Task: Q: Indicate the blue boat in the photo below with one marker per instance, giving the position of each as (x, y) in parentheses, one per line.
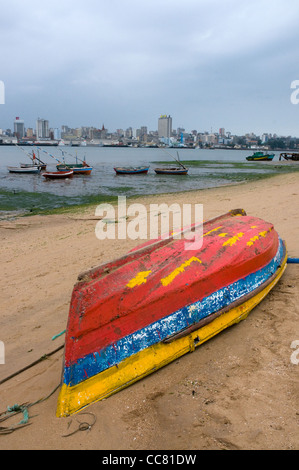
(131, 170)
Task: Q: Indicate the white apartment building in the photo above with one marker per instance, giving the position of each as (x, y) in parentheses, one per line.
(165, 126)
(42, 129)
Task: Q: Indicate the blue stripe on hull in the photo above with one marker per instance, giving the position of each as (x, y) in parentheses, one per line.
(156, 332)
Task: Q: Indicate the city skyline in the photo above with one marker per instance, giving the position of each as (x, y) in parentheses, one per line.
(164, 128)
(207, 63)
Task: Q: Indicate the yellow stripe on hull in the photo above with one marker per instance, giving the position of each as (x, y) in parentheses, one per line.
(73, 399)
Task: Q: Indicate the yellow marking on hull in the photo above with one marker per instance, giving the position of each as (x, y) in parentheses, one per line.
(139, 279)
(252, 240)
(213, 230)
(73, 399)
(232, 241)
(263, 234)
(257, 237)
(168, 280)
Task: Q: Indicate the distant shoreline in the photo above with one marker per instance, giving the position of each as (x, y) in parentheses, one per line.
(114, 146)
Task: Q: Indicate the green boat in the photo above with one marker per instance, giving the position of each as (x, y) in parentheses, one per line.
(79, 169)
(260, 156)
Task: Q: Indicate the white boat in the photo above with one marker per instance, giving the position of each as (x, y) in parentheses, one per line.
(42, 166)
(27, 170)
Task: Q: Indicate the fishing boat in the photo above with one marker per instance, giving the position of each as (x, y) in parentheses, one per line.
(35, 161)
(171, 171)
(27, 170)
(289, 156)
(77, 169)
(136, 314)
(260, 156)
(42, 166)
(58, 174)
(131, 170)
(179, 170)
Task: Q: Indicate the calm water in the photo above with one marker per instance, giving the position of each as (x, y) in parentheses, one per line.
(207, 168)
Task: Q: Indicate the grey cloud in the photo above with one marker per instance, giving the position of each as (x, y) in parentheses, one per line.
(208, 63)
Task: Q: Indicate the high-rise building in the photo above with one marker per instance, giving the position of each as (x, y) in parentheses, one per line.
(19, 128)
(42, 129)
(165, 126)
(57, 133)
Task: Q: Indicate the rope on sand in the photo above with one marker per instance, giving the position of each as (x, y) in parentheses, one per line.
(57, 336)
(16, 409)
(293, 260)
(45, 356)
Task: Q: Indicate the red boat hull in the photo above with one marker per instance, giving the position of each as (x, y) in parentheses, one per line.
(58, 174)
(124, 308)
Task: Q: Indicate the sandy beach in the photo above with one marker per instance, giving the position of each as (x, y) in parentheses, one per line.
(237, 391)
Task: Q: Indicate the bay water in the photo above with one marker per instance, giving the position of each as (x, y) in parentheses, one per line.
(25, 193)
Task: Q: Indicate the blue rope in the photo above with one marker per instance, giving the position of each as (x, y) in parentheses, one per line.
(20, 409)
(57, 336)
(293, 260)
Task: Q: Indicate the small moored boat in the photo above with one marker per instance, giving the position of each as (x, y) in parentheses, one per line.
(35, 161)
(24, 170)
(58, 174)
(42, 166)
(171, 171)
(131, 170)
(260, 156)
(134, 315)
(78, 168)
(178, 170)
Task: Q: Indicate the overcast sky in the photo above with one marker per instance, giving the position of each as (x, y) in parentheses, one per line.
(123, 63)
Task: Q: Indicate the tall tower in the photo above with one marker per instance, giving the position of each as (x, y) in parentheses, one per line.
(42, 129)
(165, 126)
(19, 128)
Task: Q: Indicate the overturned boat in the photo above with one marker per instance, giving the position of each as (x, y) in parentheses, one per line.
(138, 313)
